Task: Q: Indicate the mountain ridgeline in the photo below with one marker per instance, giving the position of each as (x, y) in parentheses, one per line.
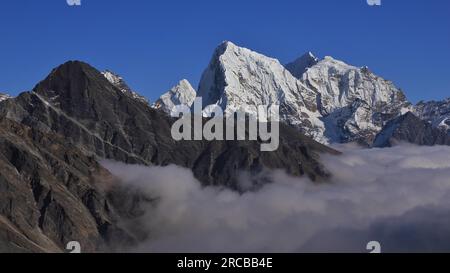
(326, 99)
(54, 190)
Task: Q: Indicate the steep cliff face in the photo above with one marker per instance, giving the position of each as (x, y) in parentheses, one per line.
(50, 194)
(435, 112)
(301, 64)
(408, 128)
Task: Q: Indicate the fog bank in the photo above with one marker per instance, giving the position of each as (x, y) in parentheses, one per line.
(398, 196)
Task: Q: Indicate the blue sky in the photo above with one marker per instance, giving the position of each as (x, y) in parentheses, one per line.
(153, 44)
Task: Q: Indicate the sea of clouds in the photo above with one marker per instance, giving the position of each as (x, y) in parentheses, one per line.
(397, 196)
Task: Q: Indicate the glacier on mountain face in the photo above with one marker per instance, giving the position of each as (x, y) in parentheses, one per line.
(327, 99)
(237, 76)
(181, 94)
(340, 84)
(368, 100)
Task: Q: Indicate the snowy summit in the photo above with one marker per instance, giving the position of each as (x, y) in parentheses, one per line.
(181, 94)
(4, 97)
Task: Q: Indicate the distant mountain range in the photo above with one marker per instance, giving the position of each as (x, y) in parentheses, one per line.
(54, 190)
(327, 99)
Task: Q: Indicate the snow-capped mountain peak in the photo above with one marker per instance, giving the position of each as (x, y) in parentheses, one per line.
(327, 99)
(120, 83)
(181, 94)
(237, 76)
(340, 85)
(114, 78)
(4, 97)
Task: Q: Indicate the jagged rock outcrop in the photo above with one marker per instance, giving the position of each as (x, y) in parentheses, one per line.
(435, 112)
(120, 83)
(409, 128)
(181, 94)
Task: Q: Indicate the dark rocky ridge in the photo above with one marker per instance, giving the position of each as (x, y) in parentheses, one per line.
(409, 128)
(53, 189)
(77, 102)
(300, 65)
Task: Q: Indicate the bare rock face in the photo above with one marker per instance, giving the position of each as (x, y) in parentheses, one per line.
(50, 194)
(437, 113)
(53, 189)
(120, 83)
(409, 128)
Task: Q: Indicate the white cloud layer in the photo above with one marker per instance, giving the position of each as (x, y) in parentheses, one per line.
(398, 196)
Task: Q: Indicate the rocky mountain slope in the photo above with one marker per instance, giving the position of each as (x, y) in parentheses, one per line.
(120, 83)
(53, 189)
(435, 112)
(51, 194)
(408, 128)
